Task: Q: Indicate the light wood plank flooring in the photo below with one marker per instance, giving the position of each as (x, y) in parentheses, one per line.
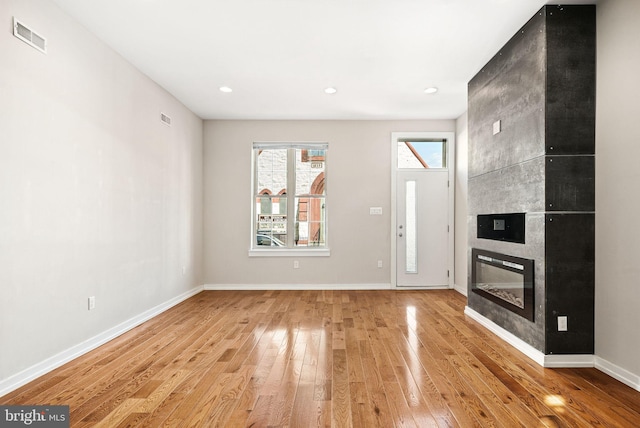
(324, 358)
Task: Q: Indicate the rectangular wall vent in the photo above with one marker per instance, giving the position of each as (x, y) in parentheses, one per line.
(29, 36)
(165, 119)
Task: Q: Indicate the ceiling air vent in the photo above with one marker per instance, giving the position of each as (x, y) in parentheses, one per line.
(165, 119)
(29, 36)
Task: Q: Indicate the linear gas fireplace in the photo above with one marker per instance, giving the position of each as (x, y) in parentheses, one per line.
(505, 280)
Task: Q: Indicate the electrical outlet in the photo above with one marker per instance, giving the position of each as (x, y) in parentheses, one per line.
(379, 263)
(296, 264)
(92, 302)
(562, 323)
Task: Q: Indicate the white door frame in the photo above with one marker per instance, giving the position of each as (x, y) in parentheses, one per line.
(451, 143)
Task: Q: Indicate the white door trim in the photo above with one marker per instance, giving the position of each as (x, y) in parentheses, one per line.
(451, 143)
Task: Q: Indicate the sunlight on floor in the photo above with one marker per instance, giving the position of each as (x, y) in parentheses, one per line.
(556, 402)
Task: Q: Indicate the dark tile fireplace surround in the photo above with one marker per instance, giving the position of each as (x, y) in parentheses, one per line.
(532, 180)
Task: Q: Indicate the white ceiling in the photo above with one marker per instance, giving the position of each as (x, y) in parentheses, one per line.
(278, 56)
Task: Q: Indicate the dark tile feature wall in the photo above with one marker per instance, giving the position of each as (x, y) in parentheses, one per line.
(569, 280)
(570, 183)
(571, 72)
(541, 87)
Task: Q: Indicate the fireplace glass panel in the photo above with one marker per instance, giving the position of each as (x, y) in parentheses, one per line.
(505, 280)
(504, 284)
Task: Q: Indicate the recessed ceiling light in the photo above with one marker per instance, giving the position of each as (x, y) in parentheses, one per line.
(431, 90)
(226, 89)
(330, 90)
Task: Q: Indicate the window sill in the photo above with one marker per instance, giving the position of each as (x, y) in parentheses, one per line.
(301, 252)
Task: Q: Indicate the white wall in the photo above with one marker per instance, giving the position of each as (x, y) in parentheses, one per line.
(97, 197)
(617, 182)
(358, 177)
(461, 217)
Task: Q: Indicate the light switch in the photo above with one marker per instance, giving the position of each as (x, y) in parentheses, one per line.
(375, 210)
(497, 127)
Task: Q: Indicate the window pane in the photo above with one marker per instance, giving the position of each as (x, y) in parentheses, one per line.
(289, 195)
(310, 222)
(269, 241)
(271, 227)
(422, 154)
(266, 204)
(310, 172)
(271, 171)
(411, 243)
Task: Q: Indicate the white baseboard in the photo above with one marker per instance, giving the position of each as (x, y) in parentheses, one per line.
(557, 361)
(19, 379)
(569, 361)
(240, 287)
(511, 339)
(616, 372)
(460, 289)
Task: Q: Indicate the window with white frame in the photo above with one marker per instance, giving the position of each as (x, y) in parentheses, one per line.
(289, 194)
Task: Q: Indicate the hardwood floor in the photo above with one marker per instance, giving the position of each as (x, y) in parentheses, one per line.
(324, 358)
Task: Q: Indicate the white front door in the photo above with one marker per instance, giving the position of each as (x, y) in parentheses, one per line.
(422, 202)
